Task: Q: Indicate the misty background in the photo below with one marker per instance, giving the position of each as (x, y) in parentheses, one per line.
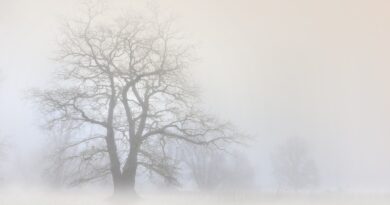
(317, 70)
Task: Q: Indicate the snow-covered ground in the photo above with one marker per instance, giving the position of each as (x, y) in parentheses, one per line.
(47, 197)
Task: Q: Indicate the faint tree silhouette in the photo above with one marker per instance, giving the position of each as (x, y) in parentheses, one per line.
(218, 170)
(292, 167)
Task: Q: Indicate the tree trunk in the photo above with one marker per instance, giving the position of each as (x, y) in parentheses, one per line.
(115, 165)
(114, 161)
(130, 170)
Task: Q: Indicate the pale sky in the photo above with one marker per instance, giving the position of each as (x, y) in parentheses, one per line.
(275, 68)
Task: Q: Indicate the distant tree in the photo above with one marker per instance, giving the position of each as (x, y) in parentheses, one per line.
(123, 91)
(2, 142)
(207, 167)
(239, 175)
(217, 170)
(68, 164)
(292, 166)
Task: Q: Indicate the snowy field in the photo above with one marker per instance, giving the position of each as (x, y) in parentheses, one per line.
(32, 197)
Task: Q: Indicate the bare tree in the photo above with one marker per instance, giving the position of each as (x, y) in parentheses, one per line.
(1, 75)
(207, 167)
(292, 166)
(124, 93)
(2, 141)
(68, 163)
(218, 170)
(239, 175)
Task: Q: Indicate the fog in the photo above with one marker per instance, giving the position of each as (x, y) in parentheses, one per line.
(279, 70)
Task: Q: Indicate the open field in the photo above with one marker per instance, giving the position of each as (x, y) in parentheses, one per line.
(31, 197)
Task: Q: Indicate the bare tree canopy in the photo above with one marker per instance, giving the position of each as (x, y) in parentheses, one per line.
(122, 95)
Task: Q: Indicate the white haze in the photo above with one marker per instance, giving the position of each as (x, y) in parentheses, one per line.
(276, 69)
